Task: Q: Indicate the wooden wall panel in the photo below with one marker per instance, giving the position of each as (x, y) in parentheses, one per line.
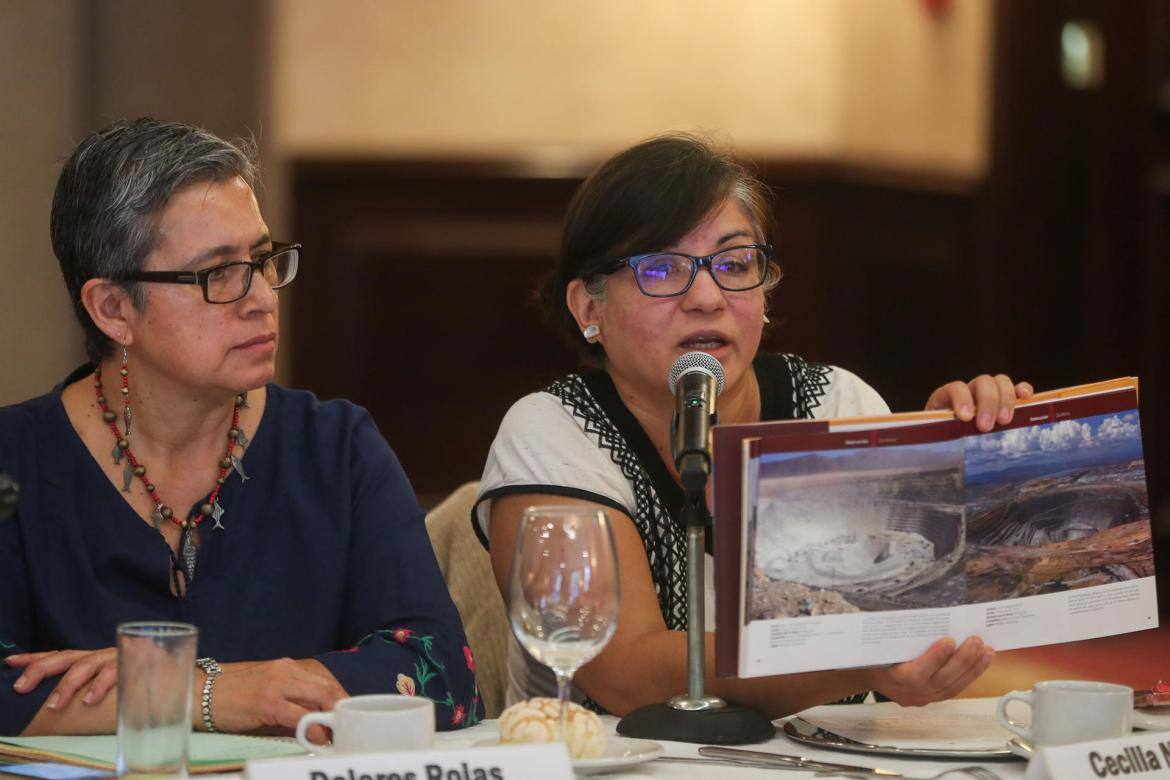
(1073, 218)
(415, 300)
(416, 297)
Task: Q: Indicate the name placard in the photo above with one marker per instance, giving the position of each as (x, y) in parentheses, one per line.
(503, 762)
(1139, 756)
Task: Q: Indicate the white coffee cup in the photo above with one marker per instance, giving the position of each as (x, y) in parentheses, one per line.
(1068, 711)
(373, 723)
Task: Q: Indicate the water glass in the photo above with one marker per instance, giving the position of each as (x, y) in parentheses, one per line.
(156, 663)
(564, 594)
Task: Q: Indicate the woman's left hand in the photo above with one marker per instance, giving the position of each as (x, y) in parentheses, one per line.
(98, 668)
(986, 399)
(940, 673)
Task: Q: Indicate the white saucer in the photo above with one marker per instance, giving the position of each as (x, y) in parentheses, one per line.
(1021, 748)
(619, 752)
(1152, 720)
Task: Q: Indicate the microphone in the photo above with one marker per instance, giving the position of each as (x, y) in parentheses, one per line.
(696, 379)
(9, 495)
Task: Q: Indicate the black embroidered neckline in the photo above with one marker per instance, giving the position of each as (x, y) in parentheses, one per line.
(601, 387)
(777, 402)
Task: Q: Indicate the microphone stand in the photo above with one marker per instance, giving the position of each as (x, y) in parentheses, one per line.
(694, 716)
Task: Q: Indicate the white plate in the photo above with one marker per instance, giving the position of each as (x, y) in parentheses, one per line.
(619, 752)
(1154, 720)
(1020, 748)
(810, 733)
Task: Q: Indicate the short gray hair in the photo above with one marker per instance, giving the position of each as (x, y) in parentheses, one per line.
(111, 191)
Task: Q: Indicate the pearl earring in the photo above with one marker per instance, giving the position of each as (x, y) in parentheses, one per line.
(766, 320)
(591, 332)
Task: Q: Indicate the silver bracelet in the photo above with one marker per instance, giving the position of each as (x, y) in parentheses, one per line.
(211, 668)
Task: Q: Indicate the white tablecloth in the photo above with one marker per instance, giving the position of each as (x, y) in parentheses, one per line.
(942, 712)
(917, 720)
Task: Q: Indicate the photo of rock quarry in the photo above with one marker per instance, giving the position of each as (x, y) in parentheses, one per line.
(1013, 513)
(1056, 507)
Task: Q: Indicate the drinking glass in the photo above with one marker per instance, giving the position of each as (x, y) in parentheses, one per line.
(156, 664)
(563, 594)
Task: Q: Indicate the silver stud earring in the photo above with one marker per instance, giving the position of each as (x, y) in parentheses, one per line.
(591, 332)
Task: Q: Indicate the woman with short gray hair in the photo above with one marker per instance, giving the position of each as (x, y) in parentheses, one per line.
(169, 479)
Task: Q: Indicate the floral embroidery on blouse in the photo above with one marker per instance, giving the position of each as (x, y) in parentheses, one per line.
(426, 668)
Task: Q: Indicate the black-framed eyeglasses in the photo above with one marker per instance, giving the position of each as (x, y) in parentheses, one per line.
(230, 282)
(666, 274)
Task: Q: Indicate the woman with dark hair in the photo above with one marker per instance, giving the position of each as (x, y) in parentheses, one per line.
(170, 479)
(665, 251)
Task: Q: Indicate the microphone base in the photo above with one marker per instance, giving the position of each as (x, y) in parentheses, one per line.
(720, 726)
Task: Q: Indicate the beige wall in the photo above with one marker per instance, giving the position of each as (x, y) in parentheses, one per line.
(69, 66)
(881, 82)
(916, 87)
(877, 82)
(39, 341)
(470, 76)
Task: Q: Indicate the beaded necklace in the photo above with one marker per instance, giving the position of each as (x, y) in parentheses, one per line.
(132, 468)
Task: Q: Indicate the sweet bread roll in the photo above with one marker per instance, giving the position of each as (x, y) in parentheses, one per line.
(535, 720)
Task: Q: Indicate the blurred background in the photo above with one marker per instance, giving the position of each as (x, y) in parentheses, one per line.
(962, 185)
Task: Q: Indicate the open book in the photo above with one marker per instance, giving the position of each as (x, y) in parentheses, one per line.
(854, 542)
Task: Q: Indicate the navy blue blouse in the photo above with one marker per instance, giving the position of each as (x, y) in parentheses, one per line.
(323, 554)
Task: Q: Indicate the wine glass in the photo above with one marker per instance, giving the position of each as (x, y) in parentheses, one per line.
(563, 594)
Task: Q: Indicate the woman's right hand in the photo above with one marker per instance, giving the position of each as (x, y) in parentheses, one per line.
(940, 673)
(260, 697)
(269, 697)
(78, 668)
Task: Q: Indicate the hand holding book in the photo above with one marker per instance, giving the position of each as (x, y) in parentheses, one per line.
(986, 399)
(940, 673)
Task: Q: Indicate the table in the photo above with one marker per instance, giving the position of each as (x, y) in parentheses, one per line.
(662, 768)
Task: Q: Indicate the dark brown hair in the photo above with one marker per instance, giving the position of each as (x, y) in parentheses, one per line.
(644, 199)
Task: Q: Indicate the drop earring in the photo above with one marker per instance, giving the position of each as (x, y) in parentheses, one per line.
(591, 332)
(125, 390)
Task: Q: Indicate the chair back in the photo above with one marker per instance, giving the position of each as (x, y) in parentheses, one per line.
(467, 568)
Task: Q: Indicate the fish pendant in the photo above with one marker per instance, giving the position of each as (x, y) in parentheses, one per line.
(157, 517)
(242, 440)
(216, 513)
(239, 467)
(127, 476)
(126, 417)
(190, 551)
(117, 453)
